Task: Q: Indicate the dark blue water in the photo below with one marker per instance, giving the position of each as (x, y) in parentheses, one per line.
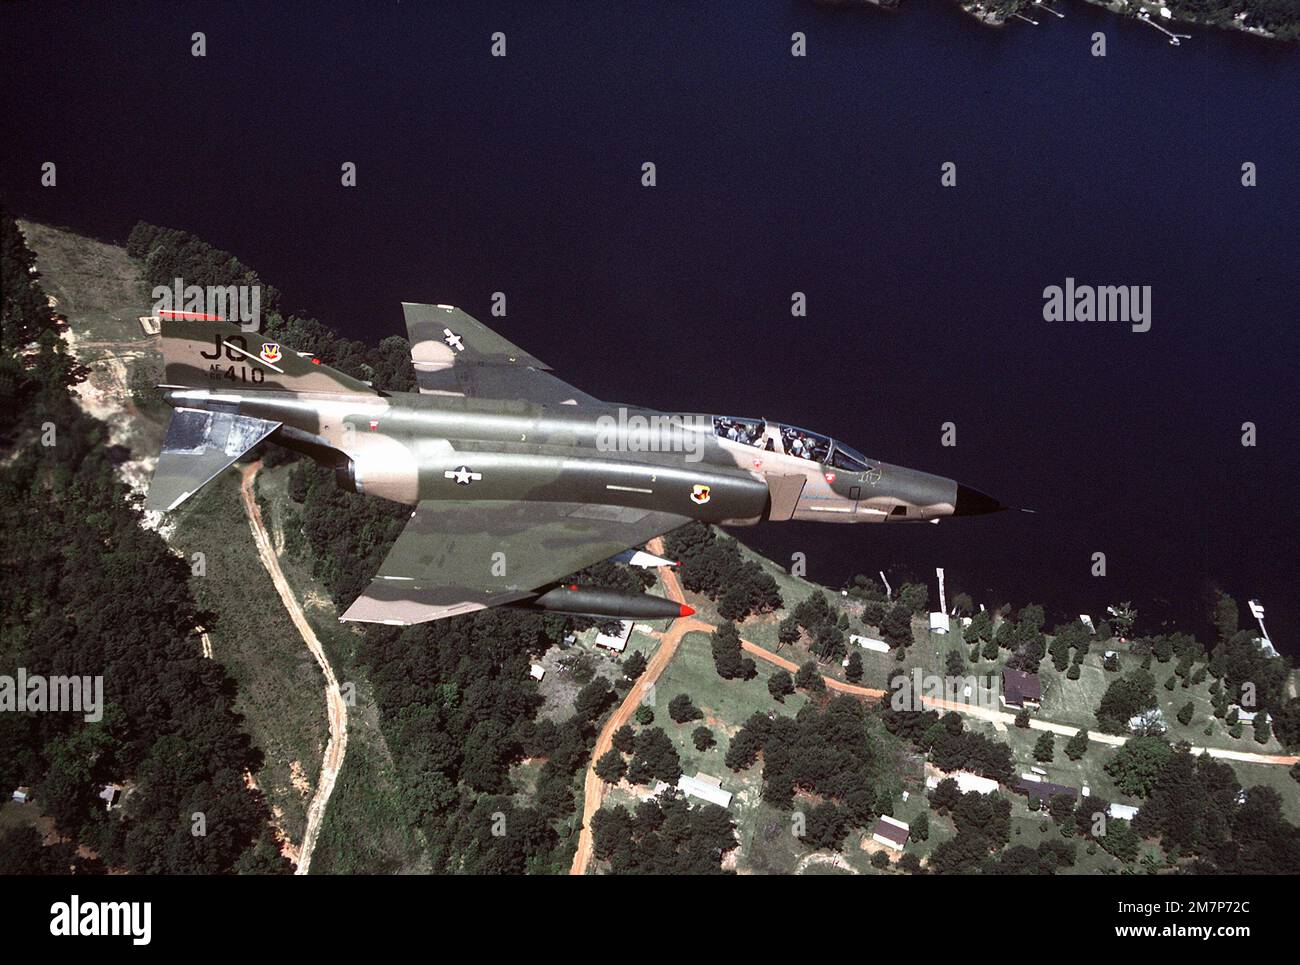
(775, 175)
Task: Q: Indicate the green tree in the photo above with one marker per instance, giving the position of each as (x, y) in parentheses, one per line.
(634, 666)
(682, 710)
(624, 739)
(779, 685)
(702, 738)
(1136, 766)
(1263, 731)
(1044, 747)
(854, 670)
(1185, 714)
(920, 828)
(1226, 616)
(727, 655)
(898, 626)
(1077, 745)
(593, 699)
(914, 596)
(645, 715)
(809, 679)
(611, 767)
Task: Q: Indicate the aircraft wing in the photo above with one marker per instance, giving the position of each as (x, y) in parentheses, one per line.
(198, 445)
(458, 556)
(455, 354)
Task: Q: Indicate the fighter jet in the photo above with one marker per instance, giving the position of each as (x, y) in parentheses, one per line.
(516, 478)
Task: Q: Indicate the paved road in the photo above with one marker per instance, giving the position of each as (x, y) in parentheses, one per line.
(336, 707)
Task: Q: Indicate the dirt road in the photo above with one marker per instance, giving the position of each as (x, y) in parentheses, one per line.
(594, 787)
(996, 716)
(336, 707)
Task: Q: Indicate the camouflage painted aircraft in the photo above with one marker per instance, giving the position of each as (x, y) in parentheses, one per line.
(517, 479)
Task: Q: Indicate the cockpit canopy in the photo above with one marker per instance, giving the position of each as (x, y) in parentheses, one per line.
(790, 440)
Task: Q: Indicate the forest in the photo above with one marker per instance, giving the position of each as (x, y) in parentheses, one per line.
(88, 591)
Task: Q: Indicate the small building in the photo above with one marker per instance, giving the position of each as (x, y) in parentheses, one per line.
(151, 324)
(616, 641)
(1247, 716)
(1123, 812)
(22, 795)
(939, 622)
(1030, 785)
(537, 671)
(890, 832)
(1086, 620)
(108, 793)
(966, 781)
(1020, 689)
(706, 788)
(869, 643)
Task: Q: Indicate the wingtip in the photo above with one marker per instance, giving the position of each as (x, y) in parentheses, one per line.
(686, 611)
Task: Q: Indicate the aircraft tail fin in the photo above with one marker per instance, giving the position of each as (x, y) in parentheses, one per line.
(198, 445)
(204, 353)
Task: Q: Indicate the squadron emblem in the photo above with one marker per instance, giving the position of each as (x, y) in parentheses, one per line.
(699, 494)
(270, 352)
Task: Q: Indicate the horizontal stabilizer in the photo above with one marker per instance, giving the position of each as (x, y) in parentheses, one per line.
(456, 354)
(199, 445)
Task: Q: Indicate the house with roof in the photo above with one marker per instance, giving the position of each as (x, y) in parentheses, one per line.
(616, 641)
(706, 787)
(869, 643)
(966, 781)
(1031, 785)
(890, 832)
(1020, 689)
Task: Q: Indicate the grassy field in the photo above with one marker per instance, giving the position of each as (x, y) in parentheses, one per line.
(1075, 701)
(281, 690)
(363, 830)
(96, 285)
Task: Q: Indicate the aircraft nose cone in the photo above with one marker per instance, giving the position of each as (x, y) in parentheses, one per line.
(972, 502)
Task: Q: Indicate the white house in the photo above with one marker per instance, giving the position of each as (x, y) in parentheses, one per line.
(616, 641)
(966, 781)
(869, 643)
(537, 671)
(706, 788)
(939, 622)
